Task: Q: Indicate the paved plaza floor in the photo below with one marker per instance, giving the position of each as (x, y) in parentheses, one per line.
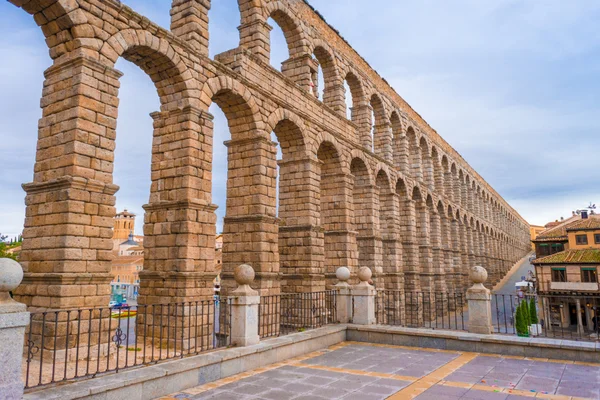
(359, 371)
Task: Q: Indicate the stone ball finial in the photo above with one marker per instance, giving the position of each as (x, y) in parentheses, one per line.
(11, 274)
(478, 274)
(364, 274)
(244, 274)
(342, 274)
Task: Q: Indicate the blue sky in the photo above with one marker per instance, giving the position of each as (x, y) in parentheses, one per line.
(514, 86)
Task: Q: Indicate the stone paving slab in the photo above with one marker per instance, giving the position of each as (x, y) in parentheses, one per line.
(371, 371)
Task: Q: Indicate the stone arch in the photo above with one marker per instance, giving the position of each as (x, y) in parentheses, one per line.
(400, 152)
(414, 152)
(383, 181)
(401, 189)
(358, 168)
(333, 92)
(289, 24)
(438, 171)
(290, 131)
(56, 18)
(359, 100)
(381, 134)
(238, 105)
(174, 81)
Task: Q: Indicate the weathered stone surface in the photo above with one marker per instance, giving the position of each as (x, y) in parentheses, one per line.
(386, 193)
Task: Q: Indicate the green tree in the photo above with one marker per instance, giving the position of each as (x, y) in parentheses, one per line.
(521, 321)
(533, 312)
(4, 248)
(527, 317)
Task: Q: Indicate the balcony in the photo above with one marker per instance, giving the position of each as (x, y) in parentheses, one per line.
(574, 286)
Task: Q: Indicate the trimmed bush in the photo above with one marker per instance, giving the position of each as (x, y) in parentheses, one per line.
(521, 322)
(533, 312)
(527, 318)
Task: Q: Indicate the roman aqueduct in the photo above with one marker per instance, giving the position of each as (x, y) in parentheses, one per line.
(396, 198)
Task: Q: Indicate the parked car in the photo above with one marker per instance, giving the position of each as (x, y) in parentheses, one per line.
(120, 306)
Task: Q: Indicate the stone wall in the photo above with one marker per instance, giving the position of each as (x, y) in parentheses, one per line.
(396, 198)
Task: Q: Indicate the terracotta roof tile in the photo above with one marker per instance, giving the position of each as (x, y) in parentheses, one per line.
(560, 232)
(572, 256)
(584, 224)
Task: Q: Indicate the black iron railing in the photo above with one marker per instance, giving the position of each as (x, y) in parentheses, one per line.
(70, 344)
(287, 313)
(558, 316)
(434, 310)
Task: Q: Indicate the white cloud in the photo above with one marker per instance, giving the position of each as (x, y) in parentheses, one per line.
(511, 84)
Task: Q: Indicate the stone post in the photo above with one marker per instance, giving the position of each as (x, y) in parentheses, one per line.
(344, 298)
(244, 308)
(364, 299)
(13, 320)
(480, 303)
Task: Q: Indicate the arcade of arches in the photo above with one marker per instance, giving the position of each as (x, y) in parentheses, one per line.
(380, 189)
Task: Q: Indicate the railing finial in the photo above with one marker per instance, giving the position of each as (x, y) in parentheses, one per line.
(244, 275)
(11, 275)
(478, 275)
(364, 275)
(343, 275)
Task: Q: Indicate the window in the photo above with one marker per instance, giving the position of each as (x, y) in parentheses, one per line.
(589, 275)
(581, 239)
(559, 275)
(597, 238)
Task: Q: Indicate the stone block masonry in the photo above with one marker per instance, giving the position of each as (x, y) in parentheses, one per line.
(395, 198)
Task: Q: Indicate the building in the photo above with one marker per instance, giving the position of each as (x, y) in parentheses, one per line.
(128, 260)
(126, 277)
(567, 273)
(534, 231)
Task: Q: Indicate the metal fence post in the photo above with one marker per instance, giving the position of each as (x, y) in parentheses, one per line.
(13, 320)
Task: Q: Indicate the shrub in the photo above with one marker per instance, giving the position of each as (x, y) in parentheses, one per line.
(521, 323)
(527, 318)
(533, 312)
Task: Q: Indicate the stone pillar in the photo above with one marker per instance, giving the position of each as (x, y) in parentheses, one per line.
(392, 247)
(361, 115)
(256, 37)
(401, 161)
(251, 228)
(189, 21)
(344, 297)
(244, 308)
(439, 274)
(300, 69)
(364, 299)
(382, 141)
(410, 246)
(13, 320)
(67, 246)
(340, 246)
(369, 240)
(180, 221)
(479, 300)
(425, 250)
(301, 239)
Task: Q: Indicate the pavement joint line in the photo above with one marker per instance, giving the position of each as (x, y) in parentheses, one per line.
(357, 372)
(418, 384)
(422, 384)
(396, 346)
